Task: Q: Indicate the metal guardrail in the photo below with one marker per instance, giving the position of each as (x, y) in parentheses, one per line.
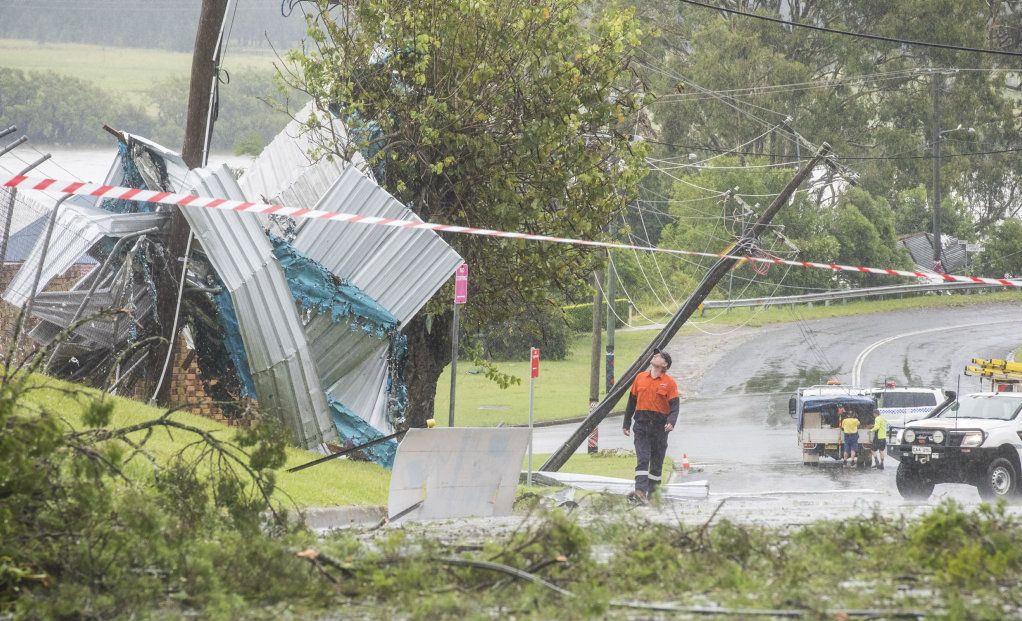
(848, 294)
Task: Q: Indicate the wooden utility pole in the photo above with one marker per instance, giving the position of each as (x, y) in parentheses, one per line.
(198, 124)
(935, 140)
(595, 357)
(709, 281)
(611, 323)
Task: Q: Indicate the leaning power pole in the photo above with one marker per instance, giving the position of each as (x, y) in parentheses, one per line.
(935, 140)
(198, 127)
(743, 246)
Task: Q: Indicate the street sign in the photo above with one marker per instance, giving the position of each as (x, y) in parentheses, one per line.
(532, 403)
(461, 284)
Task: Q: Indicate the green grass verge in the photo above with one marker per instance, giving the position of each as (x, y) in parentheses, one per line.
(1018, 355)
(562, 389)
(334, 483)
(756, 317)
(605, 464)
(127, 71)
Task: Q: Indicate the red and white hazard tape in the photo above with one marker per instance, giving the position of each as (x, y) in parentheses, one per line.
(191, 200)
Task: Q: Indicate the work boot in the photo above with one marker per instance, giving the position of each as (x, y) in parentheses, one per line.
(880, 466)
(638, 497)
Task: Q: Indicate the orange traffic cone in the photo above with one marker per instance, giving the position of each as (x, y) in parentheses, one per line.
(684, 463)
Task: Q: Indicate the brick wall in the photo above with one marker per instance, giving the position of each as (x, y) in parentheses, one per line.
(186, 385)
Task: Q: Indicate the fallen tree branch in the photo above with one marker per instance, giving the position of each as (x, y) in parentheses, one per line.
(780, 612)
(506, 569)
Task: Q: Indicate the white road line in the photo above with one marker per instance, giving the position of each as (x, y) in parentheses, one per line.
(861, 358)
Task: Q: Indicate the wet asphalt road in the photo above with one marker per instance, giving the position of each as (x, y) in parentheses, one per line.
(734, 424)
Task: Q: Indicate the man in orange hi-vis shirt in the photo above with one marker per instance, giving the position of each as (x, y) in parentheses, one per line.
(653, 402)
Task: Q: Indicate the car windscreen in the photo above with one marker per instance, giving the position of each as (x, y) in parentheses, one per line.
(984, 406)
(907, 399)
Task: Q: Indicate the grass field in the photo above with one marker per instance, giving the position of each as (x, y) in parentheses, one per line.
(338, 482)
(131, 71)
(562, 389)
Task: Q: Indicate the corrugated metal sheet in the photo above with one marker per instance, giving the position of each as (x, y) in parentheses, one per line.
(76, 230)
(363, 389)
(58, 308)
(399, 268)
(336, 348)
(920, 248)
(285, 173)
(283, 369)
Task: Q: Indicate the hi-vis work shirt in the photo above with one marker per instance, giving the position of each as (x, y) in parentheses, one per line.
(850, 425)
(880, 427)
(652, 398)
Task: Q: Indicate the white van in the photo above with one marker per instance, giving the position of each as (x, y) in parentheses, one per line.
(902, 405)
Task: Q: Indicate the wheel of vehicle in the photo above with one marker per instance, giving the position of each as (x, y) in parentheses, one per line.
(912, 484)
(999, 480)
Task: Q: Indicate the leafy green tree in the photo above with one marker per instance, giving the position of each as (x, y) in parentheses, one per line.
(93, 523)
(870, 100)
(705, 222)
(502, 114)
(58, 109)
(249, 113)
(1002, 253)
(864, 225)
(912, 214)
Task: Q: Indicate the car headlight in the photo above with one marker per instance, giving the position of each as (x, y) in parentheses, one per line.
(972, 438)
(909, 436)
(938, 437)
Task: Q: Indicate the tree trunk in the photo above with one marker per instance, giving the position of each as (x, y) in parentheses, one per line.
(429, 351)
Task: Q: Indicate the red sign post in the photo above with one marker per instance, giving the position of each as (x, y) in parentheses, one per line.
(461, 284)
(535, 362)
(460, 297)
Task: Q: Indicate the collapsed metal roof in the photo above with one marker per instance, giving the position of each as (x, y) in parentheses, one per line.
(920, 247)
(308, 319)
(278, 355)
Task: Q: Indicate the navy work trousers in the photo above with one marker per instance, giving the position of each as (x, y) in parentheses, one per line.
(650, 450)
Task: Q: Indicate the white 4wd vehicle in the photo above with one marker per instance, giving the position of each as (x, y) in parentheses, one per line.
(974, 439)
(903, 404)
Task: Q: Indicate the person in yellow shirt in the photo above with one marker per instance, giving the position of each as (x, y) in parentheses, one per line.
(850, 428)
(879, 441)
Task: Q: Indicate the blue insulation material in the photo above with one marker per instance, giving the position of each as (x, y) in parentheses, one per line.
(356, 431)
(313, 286)
(132, 179)
(397, 387)
(232, 340)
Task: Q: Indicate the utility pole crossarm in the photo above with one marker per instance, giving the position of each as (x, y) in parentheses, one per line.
(709, 281)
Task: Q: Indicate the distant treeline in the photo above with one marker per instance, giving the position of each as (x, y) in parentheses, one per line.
(167, 24)
(56, 109)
